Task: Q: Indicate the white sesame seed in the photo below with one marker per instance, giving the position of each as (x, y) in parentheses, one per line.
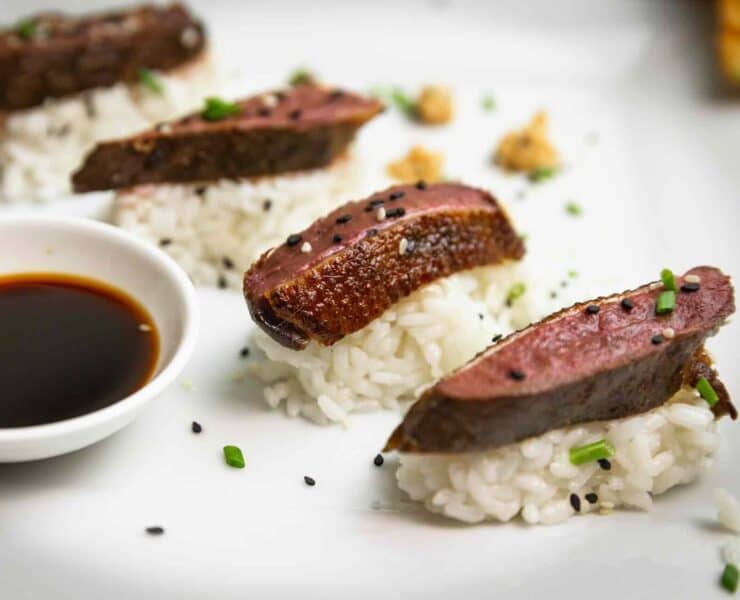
(306, 248)
(403, 246)
(668, 333)
(144, 327)
(692, 279)
(270, 100)
(380, 214)
(189, 37)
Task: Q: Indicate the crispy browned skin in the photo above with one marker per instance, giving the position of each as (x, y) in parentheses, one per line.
(341, 285)
(577, 367)
(67, 54)
(305, 127)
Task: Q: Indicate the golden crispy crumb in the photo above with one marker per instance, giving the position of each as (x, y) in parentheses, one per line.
(419, 163)
(527, 149)
(729, 54)
(435, 105)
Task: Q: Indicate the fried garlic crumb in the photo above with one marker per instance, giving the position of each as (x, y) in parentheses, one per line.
(435, 105)
(419, 163)
(527, 149)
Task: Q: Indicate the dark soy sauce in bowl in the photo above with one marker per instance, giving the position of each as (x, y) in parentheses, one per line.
(69, 346)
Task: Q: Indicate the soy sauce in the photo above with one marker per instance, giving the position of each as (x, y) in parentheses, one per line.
(69, 346)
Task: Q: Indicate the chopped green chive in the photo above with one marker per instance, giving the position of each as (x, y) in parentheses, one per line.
(515, 292)
(26, 29)
(706, 391)
(150, 81)
(541, 174)
(729, 578)
(488, 103)
(573, 209)
(234, 457)
(669, 282)
(666, 302)
(591, 452)
(301, 76)
(572, 273)
(217, 109)
(397, 97)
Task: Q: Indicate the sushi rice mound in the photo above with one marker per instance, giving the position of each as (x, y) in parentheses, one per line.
(654, 452)
(41, 147)
(216, 230)
(388, 362)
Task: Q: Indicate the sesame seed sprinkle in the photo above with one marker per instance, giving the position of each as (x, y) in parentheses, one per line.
(691, 278)
(306, 248)
(189, 37)
(592, 309)
(517, 375)
(496, 337)
(403, 246)
(668, 333)
(656, 339)
(144, 327)
(396, 196)
(575, 502)
(344, 219)
(421, 185)
(310, 481)
(627, 304)
(295, 114)
(270, 100)
(337, 238)
(395, 212)
(380, 214)
(690, 287)
(293, 239)
(378, 460)
(605, 464)
(196, 427)
(591, 498)
(155, 530)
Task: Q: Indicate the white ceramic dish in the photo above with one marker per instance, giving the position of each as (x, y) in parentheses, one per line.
(81, 247)
(658, 189)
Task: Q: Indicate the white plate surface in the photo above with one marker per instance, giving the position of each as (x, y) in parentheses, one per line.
(660, 188)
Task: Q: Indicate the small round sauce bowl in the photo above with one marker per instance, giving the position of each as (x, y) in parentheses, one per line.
(78, 247)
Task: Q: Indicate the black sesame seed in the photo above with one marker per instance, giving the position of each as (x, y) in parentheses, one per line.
(165, 241)
(627, 304)
(337, 238)
(295, 114)
(310, 481)
(497, 337)
(293, 239)
(227, 262)
(563, 284)
(480, 316)
(421, 185)
(155, 530)
(344, 219)
(575, 502)
(264, 112)
(267, 205)
(593, 309)
(592, 498)
(553, 294)
(200, 190)
(336, 95)
(244, 352)
(376, 202)
(280, 96)
(372, 232)
(657, 339)
(690, 287)
(517, 375)
(222, 283)
(196, 427)
(378, 460)
(605, 464)
(395, 212)
(397, 195)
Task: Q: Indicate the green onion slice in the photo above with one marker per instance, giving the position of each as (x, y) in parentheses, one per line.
(581, 455)
(706, 391)
(669, 281)
(301, 76)
(150, 81)
(26, 29)
(217, 109)
(541, 174)
(729, 578)
(234, 457)
(488, 103)
(515, 292)
(573, 209)
(666, 302)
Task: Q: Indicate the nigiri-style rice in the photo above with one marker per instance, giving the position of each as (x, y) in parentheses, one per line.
(655, 451)
(384, 365)
(216, 230)
(40, 147)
